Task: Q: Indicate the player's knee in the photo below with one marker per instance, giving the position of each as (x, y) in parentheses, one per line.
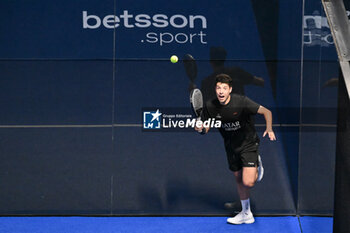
(249, 183)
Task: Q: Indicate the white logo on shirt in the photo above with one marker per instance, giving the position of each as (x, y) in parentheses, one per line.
(231, 126)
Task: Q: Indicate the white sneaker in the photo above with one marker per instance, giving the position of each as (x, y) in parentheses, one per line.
(242, 217)
(260, 170)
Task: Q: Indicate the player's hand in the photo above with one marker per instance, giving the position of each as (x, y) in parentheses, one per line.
(271, 135)
(202, 129)
(199, 130)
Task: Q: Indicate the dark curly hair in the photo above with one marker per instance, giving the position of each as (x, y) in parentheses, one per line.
(223, 78)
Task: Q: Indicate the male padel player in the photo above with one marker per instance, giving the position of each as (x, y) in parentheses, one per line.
(236, 112)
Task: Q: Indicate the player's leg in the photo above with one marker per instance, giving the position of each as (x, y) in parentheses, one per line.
(235, 165)
(249, 176)
(246, 179)
(243, 191)
(245, 216)
(253, 174)
(251, 171)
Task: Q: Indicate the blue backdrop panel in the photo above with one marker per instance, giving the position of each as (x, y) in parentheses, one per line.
(316, 91)
(317, 142)
(236, 31)
(289, 30)
(163, 84)
(149, 84)
(186, 173)
(318, 41)
(317, 162)
(288, 111)
(56, 92)
(288, 90)
(83, 62)
(55, 171)
(277, 183)
(44, 29)
(320, 92)
(85, 29)
(161, 173)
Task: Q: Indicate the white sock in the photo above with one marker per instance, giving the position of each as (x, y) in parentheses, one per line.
(245, 205)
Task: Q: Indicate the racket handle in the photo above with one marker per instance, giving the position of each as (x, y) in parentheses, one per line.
(204, 131)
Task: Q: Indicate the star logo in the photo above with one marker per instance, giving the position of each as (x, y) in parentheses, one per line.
(156, 115)
(151, 119)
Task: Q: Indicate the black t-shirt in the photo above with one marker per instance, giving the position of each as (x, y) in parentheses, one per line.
(237, 121)
(239, 77)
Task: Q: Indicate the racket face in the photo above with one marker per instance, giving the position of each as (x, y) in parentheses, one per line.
(190, 67)
(196, 100)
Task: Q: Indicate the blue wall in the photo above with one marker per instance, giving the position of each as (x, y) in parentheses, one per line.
(72, 90)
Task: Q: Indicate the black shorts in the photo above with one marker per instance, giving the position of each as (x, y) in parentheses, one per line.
(236, 160)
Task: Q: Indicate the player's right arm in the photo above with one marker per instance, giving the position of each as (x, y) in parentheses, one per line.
(204, 117)
(202, 130)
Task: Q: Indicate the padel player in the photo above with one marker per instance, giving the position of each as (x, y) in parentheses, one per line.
(236, 113)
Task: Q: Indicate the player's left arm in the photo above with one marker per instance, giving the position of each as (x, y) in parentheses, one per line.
(268, 118)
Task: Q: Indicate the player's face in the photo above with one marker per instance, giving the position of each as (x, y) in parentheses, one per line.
(223, 91)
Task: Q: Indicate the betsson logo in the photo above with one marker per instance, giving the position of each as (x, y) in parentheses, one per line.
(159, 21)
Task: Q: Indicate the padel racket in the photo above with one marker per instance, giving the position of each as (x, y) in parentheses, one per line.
(196, 100)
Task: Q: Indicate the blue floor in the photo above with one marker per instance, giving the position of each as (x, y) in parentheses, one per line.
(316, 224)
(161, 225)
